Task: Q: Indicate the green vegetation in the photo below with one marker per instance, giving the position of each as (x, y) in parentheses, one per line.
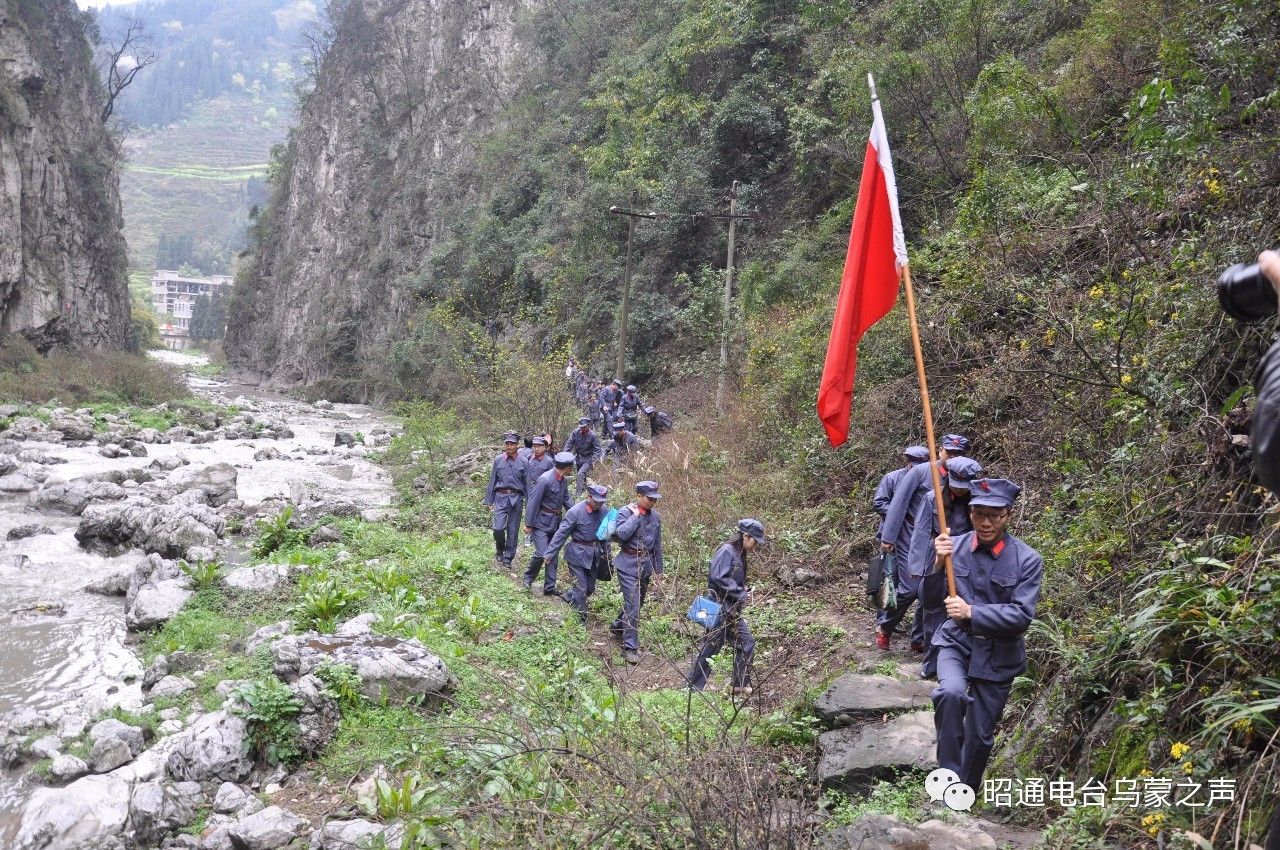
(900, 798)
(203, 573)
(536, 713)
(1072, 177)
(275, 533)
(208, 49)
(271, 711)
(190, 186)
(75, 380)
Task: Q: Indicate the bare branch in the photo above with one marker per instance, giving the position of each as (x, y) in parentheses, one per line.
(134, 51)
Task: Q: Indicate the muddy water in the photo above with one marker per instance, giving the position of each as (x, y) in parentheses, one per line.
(81, 661)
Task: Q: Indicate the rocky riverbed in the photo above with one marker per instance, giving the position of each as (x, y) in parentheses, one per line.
(101, 520)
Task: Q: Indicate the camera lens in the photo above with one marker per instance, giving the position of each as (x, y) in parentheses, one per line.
(1245, 293)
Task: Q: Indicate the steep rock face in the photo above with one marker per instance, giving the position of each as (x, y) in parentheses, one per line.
(402, 95)
(62, 254)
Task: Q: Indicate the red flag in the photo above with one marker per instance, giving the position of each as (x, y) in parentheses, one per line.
(869, 288)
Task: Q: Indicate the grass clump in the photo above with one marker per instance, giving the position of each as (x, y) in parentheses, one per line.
(74, 380)
(275, 533)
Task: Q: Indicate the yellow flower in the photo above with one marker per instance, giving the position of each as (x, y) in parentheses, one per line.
(1096, 292)
(1126, 379)
(1098, 324)
(1152, 823)
(1145, 773)
(1188, 768)
(1179, 749)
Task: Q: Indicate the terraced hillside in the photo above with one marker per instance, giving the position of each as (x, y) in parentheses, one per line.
(194, 176)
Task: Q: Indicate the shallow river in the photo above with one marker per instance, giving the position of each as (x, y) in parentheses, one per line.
(82, 660)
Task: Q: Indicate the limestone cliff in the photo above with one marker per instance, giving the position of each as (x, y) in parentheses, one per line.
(400, 100)
(62, 253)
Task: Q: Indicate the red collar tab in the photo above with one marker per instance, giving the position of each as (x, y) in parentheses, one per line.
(590, 508)
(995, 549)
(559, 475)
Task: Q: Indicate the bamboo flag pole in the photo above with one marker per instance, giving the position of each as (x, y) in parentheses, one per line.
(928, 423)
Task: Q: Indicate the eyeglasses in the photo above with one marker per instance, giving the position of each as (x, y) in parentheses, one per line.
(988, 516)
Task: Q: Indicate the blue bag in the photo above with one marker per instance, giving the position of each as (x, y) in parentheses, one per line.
(607, 524)
(705, 612)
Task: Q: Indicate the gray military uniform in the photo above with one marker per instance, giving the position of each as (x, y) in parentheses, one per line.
(640, 556)
(547, 501)
(506, 494)
(978, 660)
(727, 584)
(577, 536)
(586, 450)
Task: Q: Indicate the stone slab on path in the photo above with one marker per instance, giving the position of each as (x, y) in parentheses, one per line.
(886, 832)
(856, 695)
(859, 755)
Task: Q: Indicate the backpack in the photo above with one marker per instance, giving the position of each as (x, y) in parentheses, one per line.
(608, 525)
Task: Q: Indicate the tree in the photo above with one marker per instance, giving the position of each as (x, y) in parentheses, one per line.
(208, 317)
(131, 53)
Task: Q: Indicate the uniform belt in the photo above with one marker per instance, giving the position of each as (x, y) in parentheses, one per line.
(507, 490)
(549, 511)
(586, 541)
(635, 553)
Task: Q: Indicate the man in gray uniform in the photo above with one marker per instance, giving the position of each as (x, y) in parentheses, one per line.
(505, 497)
(577, 535)
(624, 442)
(586, 449)
(639, 533)
(888, 484)
(727, 585)
(629, 408)
(905, 511)
(980, 646)
(548, 499)
(608, 397)
(536, 462)
(880, 502)
(931, 586)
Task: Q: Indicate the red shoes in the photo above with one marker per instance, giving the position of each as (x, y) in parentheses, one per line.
(882, 639)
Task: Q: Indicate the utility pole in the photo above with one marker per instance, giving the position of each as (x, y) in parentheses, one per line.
(727, 304)
(632, 215)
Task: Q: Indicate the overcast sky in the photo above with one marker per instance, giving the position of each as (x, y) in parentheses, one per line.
(98, 4)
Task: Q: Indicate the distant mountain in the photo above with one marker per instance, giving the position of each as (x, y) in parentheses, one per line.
(202, 121)
(207, 48)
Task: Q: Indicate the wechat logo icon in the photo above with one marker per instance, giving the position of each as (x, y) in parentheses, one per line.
(944, 785)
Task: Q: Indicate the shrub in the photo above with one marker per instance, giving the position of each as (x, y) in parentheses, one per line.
(75, 379)
(275, 534)
(271, 711)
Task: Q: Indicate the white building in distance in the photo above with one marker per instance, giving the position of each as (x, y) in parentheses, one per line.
(173, 295)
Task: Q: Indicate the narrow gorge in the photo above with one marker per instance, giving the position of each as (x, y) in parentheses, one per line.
(62, 254)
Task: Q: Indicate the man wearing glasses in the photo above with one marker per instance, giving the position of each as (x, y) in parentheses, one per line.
(980, 646)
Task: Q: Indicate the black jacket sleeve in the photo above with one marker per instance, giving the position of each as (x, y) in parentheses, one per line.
(1265, 436)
